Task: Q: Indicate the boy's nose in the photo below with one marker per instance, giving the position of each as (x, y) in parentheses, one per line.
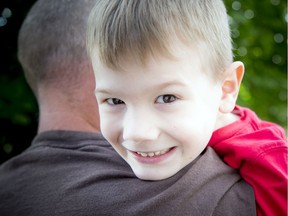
(140, 126)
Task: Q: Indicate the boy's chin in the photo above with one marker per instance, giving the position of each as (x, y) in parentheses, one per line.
(153, 175)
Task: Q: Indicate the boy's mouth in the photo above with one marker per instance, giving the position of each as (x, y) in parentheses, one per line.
(153, 154)
(153, 157)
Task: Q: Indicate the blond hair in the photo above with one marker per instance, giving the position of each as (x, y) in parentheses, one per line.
(140, 28)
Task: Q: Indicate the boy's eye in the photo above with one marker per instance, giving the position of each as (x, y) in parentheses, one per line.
(166, 99)
(114, 101)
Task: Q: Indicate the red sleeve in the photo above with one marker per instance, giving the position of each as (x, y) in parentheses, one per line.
(267, 174)
(258, 150)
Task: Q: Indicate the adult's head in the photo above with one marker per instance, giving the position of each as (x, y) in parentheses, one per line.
(51, 49)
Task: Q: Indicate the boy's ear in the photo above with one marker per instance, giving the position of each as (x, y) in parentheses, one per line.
(230, 86)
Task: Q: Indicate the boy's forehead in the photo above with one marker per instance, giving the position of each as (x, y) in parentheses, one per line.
(177, 52)
(159, 69)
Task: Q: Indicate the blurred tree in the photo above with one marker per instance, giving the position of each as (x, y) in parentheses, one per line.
(259, 33)
(18, 108)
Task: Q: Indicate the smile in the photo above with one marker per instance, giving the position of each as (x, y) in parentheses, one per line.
(154, 157)
(153, 154)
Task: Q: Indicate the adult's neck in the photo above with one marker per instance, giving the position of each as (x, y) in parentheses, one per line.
(59, 120)
(57, 112)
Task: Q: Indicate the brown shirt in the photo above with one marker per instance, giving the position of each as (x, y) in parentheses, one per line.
(74, 173)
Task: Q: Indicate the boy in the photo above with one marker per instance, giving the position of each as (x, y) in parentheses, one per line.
(166, 81)
(159, 103)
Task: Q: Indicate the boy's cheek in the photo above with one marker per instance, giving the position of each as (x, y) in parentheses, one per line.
(109, 128)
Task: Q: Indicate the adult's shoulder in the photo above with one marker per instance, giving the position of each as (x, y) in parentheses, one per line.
(212, 181)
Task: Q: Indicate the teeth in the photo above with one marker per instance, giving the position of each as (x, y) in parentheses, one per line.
(152, 154)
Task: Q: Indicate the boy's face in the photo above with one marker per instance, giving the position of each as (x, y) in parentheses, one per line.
(159, 117)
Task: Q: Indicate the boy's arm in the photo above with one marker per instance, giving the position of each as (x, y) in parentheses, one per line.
(268, 176)
(264, 167)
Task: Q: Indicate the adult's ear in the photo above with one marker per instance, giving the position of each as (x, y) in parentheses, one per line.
(230, 86)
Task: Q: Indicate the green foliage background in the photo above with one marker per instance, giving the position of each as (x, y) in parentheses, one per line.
(259, 30)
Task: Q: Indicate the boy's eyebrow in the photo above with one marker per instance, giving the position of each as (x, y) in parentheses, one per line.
(99, 90)
(158, 86)
(170, 83)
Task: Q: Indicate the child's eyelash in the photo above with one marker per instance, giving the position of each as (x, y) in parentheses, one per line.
(168, 98)
(114, 101)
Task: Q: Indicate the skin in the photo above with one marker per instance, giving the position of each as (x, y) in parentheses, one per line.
(61, 111)
(160, 117)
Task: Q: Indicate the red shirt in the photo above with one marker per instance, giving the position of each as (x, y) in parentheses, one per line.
(258, 150)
